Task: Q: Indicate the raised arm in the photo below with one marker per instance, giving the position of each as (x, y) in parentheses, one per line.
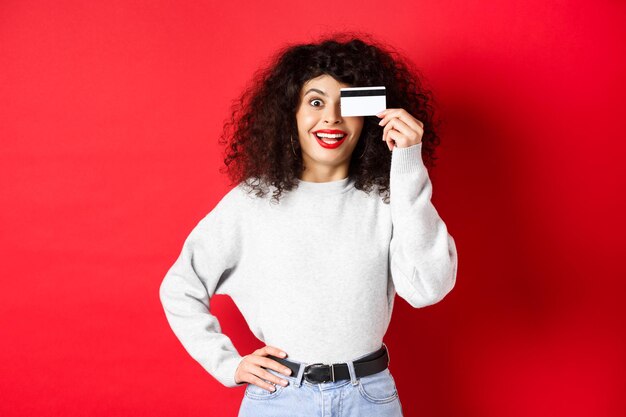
(423, 257)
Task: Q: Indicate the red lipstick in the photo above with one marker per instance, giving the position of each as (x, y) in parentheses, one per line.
(332, 145)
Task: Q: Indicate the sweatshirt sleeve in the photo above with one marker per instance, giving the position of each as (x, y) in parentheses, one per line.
(208, 255)
(423, 256)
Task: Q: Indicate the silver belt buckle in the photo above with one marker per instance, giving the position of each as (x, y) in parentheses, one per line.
(317, 365)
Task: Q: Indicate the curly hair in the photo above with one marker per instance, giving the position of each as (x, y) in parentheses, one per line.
(258, 133)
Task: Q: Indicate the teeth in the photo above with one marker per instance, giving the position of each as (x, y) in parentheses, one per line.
(330, 136)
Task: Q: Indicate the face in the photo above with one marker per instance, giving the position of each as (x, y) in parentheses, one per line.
(319, 111)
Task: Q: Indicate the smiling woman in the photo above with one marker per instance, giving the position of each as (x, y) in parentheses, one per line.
(322, 129)
(269, 138)
(331, 306)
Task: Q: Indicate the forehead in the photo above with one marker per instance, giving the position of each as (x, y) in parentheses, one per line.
(325, 83)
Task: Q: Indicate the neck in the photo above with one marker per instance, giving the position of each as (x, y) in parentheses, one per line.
(324, 174)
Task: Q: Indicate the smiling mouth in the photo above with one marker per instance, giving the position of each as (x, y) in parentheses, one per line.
(330, 138)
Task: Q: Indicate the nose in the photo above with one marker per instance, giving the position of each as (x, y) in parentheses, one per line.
(333, 114)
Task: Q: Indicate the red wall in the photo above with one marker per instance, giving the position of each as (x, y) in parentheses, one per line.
(109, 118)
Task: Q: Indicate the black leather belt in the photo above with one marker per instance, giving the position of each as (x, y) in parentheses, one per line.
(318, 372)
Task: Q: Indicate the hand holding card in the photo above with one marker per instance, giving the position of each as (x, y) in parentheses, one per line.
(363, 101)
(401, 128)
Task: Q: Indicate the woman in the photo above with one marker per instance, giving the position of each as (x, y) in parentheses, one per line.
(315, 268)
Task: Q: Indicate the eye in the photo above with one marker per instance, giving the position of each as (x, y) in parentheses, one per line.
(314, 100)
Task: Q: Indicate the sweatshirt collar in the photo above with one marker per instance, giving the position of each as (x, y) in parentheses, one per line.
(325, 188)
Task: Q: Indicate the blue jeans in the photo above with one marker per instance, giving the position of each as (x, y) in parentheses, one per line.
(373, 395)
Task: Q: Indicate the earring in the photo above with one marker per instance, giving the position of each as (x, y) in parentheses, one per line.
(291, 140)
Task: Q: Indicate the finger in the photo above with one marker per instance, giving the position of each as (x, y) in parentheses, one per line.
(266, 362)
(409, 120)
(399, 139)
(271, 377)
(404, 116)
(260, 383)
(385, 116)
(399, 125)
(272, 350)
(382, 113)
(388, 140)
(272, 364)
(411, 135)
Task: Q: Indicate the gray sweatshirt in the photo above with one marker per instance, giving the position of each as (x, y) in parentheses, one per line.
(315, 275)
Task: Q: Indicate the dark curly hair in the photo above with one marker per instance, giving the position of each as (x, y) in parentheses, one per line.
(257, 135)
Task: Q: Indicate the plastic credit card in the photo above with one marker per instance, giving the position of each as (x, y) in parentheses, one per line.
(363, 101)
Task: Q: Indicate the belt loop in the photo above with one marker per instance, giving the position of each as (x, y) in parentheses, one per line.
(300, 375)
(388, 356)
(353, 379)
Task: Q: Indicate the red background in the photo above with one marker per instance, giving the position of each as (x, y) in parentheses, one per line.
(109, 118)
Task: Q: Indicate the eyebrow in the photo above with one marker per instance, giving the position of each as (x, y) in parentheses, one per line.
(315, 89)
